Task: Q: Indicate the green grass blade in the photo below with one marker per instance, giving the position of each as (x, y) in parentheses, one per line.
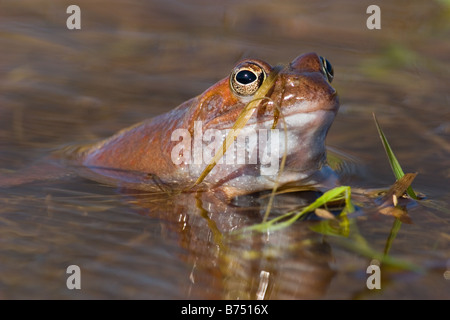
(395, 165)
(338, 193)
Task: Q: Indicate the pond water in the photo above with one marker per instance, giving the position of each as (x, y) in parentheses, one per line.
(136, 59)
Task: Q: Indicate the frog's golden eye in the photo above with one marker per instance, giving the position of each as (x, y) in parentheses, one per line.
(327, 69)
(246, 78)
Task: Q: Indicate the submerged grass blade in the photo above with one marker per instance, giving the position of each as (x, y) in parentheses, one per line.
(395, 165)
(349, 237)
(366, 251)
(392, 235)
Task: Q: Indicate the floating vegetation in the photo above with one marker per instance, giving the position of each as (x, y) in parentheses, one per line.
(342, 193)
(395, 165)
(339, 225)
(402, 185)
(333, 206)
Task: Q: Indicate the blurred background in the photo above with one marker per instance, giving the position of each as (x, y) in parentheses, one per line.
(132, 60)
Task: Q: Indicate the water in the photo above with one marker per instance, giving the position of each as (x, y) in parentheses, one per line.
(132, 60)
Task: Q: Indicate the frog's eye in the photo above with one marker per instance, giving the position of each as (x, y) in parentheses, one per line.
(327, 69)
(246, 78)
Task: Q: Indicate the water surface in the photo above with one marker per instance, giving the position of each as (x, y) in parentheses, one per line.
(136, 59)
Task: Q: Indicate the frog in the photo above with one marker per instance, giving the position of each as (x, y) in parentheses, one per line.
(296, 109)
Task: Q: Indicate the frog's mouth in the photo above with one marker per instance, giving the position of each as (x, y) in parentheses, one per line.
(300, 117)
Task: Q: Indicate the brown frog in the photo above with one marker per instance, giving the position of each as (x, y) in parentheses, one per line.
(169, 152)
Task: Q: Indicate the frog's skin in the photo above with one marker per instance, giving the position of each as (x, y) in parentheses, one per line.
(140, 157)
